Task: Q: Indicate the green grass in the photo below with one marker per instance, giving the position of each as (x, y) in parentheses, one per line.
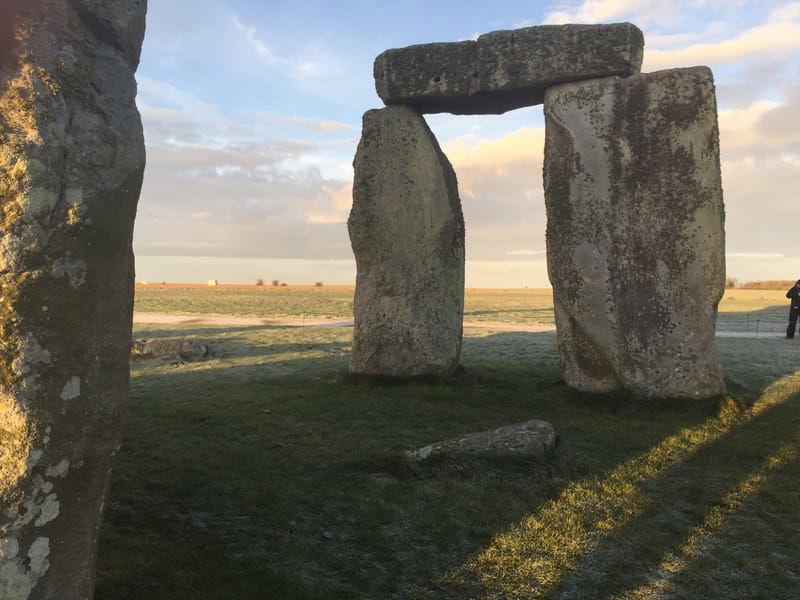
(505, 306)
(753, 311)
(265, 473)
(264, 302)
(740, 310)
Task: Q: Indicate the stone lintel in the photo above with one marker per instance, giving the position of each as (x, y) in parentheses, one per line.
(503, 70)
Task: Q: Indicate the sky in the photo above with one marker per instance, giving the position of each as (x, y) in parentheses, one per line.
(252, 113)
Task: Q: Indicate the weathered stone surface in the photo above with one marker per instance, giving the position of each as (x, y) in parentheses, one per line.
(170, 348)
(407, 233)
(503, 70)
(71, 164)
(635, 237)
(532, 437)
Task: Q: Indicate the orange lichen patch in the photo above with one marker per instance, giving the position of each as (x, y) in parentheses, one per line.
(17, 102)
(17, 433)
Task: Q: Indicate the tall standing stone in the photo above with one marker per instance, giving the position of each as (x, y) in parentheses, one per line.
(407, 233)
(635, 238)
(71, 164)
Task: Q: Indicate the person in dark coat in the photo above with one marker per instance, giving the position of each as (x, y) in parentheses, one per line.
(794, 310)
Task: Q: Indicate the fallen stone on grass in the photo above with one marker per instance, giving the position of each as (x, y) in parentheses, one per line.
(532, 438)
(171, 349)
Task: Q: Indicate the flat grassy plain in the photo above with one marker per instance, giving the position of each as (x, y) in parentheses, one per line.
(740, 310)
(265, 472)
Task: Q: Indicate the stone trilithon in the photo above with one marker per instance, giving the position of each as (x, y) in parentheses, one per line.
(635, 233)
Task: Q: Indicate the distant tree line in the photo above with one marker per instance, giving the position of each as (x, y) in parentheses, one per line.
(277, 282)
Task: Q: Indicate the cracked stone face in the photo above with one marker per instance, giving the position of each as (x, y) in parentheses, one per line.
(635, 234)
(407, 233)
(71, 164)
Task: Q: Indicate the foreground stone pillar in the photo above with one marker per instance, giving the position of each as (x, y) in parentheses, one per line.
(71, 164)
(407, 233)
(635, 239)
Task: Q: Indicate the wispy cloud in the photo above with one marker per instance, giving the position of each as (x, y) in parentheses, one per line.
(333, 205)
(768, 38)
(316, 125)
(600, 11)
(249, 35)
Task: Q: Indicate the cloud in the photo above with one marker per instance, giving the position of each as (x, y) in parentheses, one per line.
(788, 12)
(738, 126)
(759, 130)
(526, 252)
(779, 34)
(155, 93)
(768, 38)
(333, 206)
(217, 183)
(248, 35)
(600, 11)
(525, 144)
(755, 255)
(320, 70)
(317, 125)
(500, 184)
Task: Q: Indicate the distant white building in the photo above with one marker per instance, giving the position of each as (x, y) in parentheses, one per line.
(213, 282)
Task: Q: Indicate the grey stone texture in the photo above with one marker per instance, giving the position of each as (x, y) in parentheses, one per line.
(635, 237)
(407, 233)
(531, 438)
(503, 70)
(178, 349)
(71, 165)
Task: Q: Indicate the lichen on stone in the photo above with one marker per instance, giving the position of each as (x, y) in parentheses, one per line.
(17, 435)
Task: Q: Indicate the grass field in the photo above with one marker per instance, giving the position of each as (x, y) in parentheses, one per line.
(264, 472)
(740, 310)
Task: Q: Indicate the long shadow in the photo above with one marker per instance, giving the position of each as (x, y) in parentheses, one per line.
(768, 319)
(679, 501)
(242, 481)
(665, 508)
(189, 329)
(238, 342)
(537, 315)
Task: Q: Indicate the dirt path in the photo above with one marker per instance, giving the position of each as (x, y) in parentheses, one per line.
(162, 318)
(169, 319)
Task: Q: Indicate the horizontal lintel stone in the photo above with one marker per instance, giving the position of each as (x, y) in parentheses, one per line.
(506, 69)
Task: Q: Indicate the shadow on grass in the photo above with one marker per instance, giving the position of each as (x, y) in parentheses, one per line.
(536, 315)
(650, 525)
(768, 319)
(232, 343)
(239, 481)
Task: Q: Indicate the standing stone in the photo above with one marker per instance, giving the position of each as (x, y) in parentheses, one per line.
(635, 238)
(71, 164)
(407, 233)
(505, 69)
